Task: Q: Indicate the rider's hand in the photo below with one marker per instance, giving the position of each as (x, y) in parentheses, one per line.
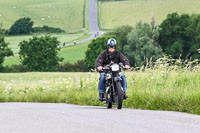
(127, 66)
(100, 68)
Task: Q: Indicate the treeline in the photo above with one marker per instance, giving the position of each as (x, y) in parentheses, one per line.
(24, 26)
(178, 36)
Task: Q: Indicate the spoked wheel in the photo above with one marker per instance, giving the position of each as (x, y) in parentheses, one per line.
(118, 96)
(108, 101)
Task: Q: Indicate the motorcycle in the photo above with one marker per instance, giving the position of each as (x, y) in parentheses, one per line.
(114, 93)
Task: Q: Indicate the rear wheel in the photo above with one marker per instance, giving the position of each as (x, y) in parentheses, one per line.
(118, 96)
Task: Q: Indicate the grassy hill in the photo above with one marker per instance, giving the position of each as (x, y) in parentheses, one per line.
(116, 13)
(64, 14)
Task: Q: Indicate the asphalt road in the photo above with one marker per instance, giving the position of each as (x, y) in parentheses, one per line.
(93, 22)
(66, 118)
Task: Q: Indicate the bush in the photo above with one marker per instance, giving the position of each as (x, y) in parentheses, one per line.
(47, 29)
(16, 69)
(21, 27)
(79, 66)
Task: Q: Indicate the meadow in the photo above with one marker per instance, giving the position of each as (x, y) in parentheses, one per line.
(67, 38)
(129, 12)
(153, 89)
(64, 14)
(71, 54)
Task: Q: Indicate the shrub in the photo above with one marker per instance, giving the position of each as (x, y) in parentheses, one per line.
(47, 29)
(21, 26)
(79, 66)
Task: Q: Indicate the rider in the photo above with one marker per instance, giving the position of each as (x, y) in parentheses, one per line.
(105, 57)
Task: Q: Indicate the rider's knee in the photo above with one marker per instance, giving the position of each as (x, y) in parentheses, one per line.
(102, 76)
(122, 75)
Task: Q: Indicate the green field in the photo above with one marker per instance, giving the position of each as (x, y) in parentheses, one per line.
(73, 53)
(116, 13)
(70, 54)
(67, 38)
(64, 14)
(175, 90)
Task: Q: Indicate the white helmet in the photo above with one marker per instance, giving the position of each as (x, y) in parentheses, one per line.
(112, 42)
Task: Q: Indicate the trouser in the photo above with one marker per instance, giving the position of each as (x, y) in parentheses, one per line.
(101, 87)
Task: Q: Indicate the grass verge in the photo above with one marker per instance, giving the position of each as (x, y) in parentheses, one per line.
(176, 90)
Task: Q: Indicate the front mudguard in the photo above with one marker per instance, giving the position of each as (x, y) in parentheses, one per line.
(117, 79)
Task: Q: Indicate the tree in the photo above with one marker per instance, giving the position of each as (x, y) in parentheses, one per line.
(4, 50)
(95, 48)
(195, 36)
(175, 35)
(21, 26)
(121, 33)
(40, 53)
(142, 42)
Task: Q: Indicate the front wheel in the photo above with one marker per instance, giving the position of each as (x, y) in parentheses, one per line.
(109, 105)
(118, 96)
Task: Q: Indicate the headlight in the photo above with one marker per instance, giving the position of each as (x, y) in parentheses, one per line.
(115, 67)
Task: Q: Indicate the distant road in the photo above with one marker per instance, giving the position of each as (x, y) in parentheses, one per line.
(67, 118)
(93, 22)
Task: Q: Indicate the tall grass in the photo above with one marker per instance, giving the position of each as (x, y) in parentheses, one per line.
(159, 88)
(129, 12)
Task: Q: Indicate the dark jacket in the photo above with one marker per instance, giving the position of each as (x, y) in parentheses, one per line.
(106, 57)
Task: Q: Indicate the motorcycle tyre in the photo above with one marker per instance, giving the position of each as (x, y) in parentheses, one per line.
(119, 96)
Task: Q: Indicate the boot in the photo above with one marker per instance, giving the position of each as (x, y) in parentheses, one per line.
(101, 95)
(125, 96)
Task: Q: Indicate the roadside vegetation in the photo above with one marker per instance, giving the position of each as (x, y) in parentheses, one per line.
(163, 87)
